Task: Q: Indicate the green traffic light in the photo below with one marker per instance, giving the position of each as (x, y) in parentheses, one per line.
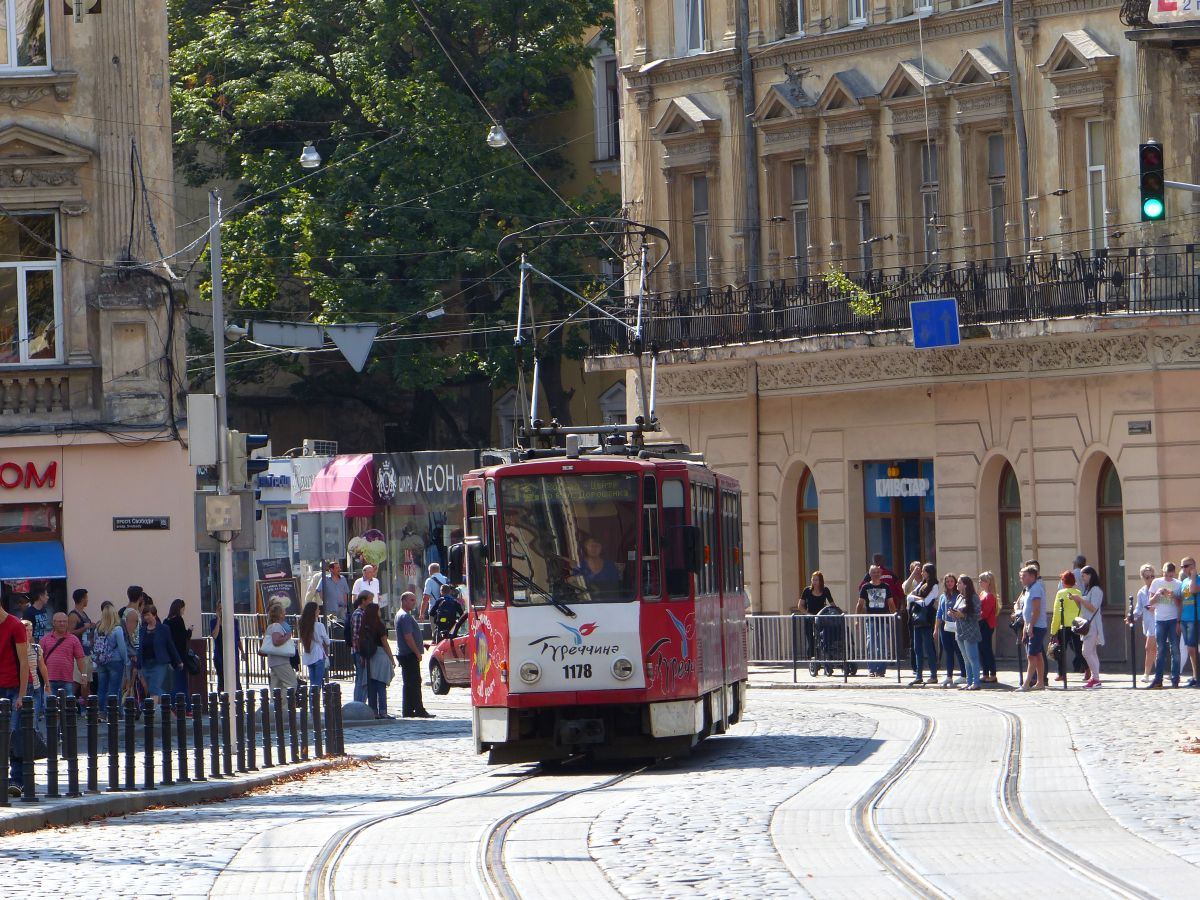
(1152, 208)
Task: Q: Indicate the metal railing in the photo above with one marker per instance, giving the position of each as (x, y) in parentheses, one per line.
(1137, 280)
(176, 741)
(828, 643)
(255, 669)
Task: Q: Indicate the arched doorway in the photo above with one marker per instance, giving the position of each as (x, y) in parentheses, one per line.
(1110, 529)
(1008, 506)
(808, 546)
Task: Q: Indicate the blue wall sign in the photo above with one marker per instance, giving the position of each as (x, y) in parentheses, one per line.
(934, 323)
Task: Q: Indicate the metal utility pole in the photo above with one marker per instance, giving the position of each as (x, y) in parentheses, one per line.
(752, 227)
(1014, 86)
(225, 539)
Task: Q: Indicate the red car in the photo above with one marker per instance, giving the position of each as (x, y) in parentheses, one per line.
(450, 660)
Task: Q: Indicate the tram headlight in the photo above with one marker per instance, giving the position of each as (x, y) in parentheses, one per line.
(530, 672)
(622, 669)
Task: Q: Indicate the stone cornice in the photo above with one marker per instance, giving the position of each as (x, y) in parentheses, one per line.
(22, 90)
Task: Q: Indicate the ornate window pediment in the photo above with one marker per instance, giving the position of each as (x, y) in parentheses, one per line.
(1082, 71)
(979, 86)
(850, 108)
(39, 170)
(786, 117)
(915, 96)
(688, 132)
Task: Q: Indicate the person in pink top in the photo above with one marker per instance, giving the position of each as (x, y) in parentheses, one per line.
(989, 605)
(60, 651)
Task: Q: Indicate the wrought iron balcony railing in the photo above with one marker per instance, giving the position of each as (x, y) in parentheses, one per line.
(1137, 281)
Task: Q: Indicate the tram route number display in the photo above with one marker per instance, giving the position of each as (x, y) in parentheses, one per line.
(583, 670)
(583, 489)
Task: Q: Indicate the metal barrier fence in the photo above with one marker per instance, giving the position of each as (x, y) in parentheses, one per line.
(828, 643)
(224, 737)
(254, 669)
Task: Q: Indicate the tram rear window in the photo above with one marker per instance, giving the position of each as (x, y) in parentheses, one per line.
(571, 538)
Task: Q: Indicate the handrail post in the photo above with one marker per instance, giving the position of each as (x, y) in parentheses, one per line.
(795, 645)
(896, 640)
(845, 650)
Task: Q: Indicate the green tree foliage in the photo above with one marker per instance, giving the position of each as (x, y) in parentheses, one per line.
(409, 200)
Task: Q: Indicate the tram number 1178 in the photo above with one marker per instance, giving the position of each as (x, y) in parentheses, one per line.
(583, 670)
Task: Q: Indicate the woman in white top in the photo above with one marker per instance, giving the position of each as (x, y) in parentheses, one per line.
(314, 646)
(1090, 607)
(282, 675)
(1146, 615)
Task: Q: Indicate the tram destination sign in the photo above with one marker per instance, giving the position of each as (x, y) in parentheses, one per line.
(1173, 12)
(141, 523)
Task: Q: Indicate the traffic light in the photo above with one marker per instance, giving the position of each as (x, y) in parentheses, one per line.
(1152, 180)
(241, 467)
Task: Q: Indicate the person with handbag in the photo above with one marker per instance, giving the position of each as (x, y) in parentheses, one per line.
(110, 654)
(1091, 626)
(1066, 611)
(922, 608)
(966, 615)
(157, 653)
(1034, 619)
(945, 627)
(62, 652)
(989, 607)
(1141, 612)
(181, 637)
(1166, 597)
(374, 648)
(314, 645)
(279, 648)
(14, 684)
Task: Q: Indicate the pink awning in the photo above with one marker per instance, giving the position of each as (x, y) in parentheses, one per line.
(345, 485)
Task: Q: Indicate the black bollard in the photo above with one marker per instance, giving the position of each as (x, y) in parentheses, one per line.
(214, 736)
(168, 770)
(226, 738)
(148, 744)
(114, 744)
(318, 737)
(330, 722)
(5, 745)
(181, 709)
(70, 713)
(291, 711)
(280, 737)
(28, 793)
(239, 712)
(341, 732)
(1129, 610)
(198, 736)
(130, 742)
(302, 702)
(52, 708)
(93, 744)
(251, 738)
(266, 729)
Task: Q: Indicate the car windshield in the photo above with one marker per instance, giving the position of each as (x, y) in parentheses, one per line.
(571, 538)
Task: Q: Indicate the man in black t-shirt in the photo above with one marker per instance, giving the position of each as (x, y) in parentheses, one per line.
(875, 598)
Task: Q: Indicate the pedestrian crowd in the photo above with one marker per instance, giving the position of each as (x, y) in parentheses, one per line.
(952, 622)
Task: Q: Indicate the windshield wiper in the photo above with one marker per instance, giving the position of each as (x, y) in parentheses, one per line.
(533, 585)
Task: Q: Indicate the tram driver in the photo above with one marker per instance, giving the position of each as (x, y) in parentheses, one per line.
(600, 575)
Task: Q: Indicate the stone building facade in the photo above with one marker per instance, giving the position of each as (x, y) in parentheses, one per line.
(91, 354)
(885, 148)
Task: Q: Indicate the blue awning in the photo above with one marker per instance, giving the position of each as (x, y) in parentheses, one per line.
(35, 559)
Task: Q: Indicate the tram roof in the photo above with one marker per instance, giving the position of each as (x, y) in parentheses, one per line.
(605, 462)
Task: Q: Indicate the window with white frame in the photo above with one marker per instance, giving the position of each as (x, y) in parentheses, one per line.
(1096, 178)
(800, 217)
(26, 44)
(997, 175)
(929, 198)
(857, 12)
(607, 103)
(612, 405)
(922, 6)
(30, 289)
(690, 27)
(862, 209)
(700, 223)
(508, 418)
(791, 16)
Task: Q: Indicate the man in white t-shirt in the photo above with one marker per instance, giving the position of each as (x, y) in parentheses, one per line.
(433, 588)
(368, 582)
(1166, 595)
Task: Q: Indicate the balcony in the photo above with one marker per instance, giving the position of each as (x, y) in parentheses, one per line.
(45, 395)
(1129, 282)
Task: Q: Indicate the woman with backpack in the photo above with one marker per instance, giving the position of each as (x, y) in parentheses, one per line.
(110, 653)
(922, 610)
(314, 646)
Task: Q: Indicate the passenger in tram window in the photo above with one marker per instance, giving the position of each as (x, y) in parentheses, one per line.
(600, 575)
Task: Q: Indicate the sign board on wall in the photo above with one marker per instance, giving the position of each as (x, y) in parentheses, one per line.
(31, 477)
(304, 472)
(1173, 12)
(141, 523)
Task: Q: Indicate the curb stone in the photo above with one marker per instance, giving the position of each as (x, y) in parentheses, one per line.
(57, 813)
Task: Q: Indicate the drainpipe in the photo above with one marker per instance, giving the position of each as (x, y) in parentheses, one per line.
(1014, 86)
(754, 532)
(752, 227)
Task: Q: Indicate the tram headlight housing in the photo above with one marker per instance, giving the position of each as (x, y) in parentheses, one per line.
(622, 669)
(530, 672)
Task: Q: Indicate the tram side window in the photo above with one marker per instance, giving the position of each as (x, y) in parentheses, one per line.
(476, 570)
(731, 540)
(475, 512)
(494, 543)
(674, 545)
(703, 514)
(651, 580)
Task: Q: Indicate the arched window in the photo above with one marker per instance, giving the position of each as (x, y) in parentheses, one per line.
(1110, 527)
(808, 548)
(1009, 509)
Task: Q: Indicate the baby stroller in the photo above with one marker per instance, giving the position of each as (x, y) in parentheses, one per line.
(831, 638)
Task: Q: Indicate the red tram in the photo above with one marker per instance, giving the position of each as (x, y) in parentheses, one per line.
(607, 606)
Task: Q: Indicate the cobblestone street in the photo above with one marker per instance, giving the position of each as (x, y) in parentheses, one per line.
(822, 793)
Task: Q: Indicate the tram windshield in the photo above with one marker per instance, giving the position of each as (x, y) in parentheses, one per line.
(570, 538)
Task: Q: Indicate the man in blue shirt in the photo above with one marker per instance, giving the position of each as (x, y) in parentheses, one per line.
(409, 649)
(1033, 608)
